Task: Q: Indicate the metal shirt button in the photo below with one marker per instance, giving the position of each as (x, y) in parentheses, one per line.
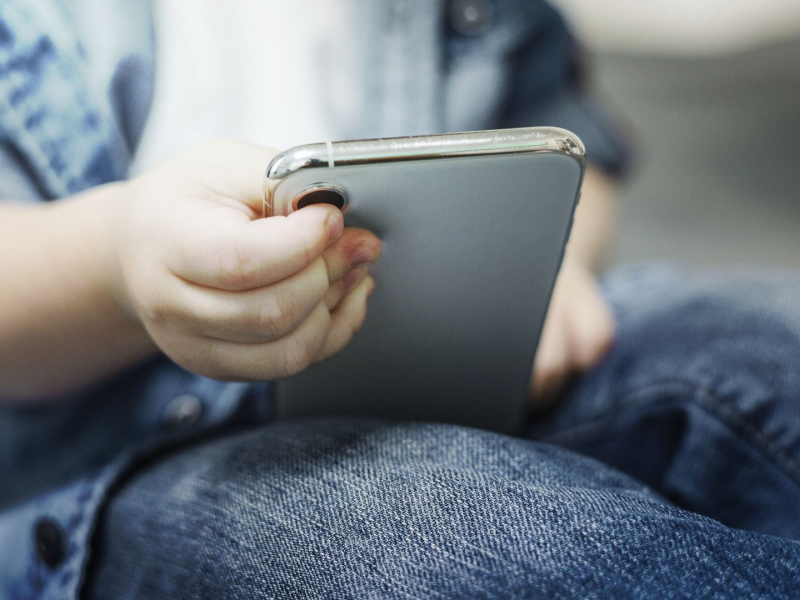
(183, 411)
(471, 17)
(49, 539)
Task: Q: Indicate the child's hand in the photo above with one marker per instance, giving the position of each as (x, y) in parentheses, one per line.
(225, 293)
(577, 333)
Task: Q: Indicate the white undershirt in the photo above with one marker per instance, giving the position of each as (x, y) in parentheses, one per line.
(250, 69)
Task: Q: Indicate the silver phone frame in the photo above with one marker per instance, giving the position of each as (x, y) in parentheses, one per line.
(329, 155)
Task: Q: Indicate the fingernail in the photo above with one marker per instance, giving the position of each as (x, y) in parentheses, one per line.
(334, 224)
(361, 255)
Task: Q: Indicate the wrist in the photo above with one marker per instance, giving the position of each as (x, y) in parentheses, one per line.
(63, 327)
(111, 223)
(102, 211)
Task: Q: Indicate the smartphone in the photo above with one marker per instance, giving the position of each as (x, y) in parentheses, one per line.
(474, 227)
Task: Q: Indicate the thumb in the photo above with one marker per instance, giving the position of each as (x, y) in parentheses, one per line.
(251, 254)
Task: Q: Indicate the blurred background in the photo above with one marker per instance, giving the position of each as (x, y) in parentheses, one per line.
(711, 90)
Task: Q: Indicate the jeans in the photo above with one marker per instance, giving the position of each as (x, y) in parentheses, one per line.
(672, 470)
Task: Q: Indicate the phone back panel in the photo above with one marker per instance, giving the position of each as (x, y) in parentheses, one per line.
(471, 249)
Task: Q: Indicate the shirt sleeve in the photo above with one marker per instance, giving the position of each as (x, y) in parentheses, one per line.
(15, 184)
(548, 88)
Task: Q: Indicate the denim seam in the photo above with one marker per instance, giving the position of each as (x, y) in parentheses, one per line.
(116, 473)
(712, 403)
(74, 574)
(101, 492)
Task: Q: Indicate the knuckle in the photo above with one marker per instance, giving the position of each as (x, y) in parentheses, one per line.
(155, 309)
(230, 269)
(170, 306)
(236, 266)
(305, 246)
(275, 316)
(149, 311)
(297, 357)
(305, 345)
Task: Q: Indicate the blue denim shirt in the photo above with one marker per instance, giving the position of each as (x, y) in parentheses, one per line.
(76, 78)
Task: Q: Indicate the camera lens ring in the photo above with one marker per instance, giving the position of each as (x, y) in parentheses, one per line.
(321, 193)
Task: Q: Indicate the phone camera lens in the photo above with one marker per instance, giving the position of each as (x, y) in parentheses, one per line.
(321, 195)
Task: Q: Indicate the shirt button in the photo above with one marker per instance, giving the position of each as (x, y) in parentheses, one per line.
(49, 538)
(471, 17)
(183, 411)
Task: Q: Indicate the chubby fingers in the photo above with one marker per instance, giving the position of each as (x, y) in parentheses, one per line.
(250, 316)
(355, 248)
(574, 340)
(285, 356)
(270, 312)
(578, 331)
(320, 335)
(347, 318)
(347, 260)
(552, 364)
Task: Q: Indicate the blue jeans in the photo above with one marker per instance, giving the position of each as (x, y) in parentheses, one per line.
(672, 470)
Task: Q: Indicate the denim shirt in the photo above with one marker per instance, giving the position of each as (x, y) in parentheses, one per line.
(76, 79)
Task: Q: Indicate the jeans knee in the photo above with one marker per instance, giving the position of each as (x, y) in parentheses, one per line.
(354, 510)
(360, 508)
(713, 330)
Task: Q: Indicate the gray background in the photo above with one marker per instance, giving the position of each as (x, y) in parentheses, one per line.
(718, 139)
